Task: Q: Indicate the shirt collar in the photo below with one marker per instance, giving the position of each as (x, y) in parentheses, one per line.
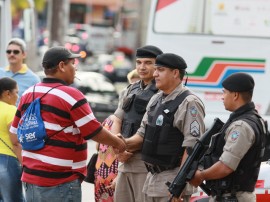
(23, 70)
(53, 80)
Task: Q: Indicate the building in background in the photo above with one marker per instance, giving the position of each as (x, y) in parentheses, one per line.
(128, 18)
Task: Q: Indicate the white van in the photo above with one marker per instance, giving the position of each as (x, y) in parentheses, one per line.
(216, 38)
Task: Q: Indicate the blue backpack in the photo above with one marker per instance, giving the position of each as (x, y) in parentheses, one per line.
(31, 129)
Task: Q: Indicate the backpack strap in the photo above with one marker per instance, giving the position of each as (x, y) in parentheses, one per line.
(33, 95)
(50, 90)
(7, 146)
(48, 137)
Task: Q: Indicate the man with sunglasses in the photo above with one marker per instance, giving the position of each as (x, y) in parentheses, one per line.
(16, 54)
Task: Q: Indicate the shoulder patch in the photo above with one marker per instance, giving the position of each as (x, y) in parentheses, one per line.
(193, 111)
(195, 129)
(234, 135)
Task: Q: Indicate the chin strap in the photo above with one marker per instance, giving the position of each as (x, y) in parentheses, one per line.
(186, 78)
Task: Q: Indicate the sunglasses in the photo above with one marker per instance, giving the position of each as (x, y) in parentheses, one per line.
(16, 52)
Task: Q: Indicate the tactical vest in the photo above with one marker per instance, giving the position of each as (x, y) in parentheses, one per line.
(162, 144)
(134, 106)
(246, 174)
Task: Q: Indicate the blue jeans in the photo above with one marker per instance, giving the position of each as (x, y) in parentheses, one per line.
(67, 192)
(10, 178)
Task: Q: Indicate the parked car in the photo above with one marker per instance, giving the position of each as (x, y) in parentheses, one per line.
(98, 90)
(99, 37)
(115, 66)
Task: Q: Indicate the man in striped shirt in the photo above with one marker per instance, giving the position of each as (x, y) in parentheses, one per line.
(55, 172)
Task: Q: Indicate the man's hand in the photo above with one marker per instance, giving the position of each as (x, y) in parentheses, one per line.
(123, 157)
(112, 184)
(197, 179)
(121, 146)
(174, 199)
(121, 137)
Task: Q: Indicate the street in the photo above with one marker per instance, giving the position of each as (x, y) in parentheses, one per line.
(87, 188)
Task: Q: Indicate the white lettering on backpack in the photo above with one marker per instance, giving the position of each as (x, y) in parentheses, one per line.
(30, 136)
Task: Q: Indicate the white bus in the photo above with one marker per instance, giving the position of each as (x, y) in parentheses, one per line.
(216, 38)
(5, 29)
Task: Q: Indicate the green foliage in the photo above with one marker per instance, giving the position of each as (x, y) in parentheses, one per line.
(18, 5)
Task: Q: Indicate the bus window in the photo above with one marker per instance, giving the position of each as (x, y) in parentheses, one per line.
(241, 18)
(183, 20)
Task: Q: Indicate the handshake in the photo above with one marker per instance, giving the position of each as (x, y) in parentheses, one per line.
(125, 155)
(120, 145)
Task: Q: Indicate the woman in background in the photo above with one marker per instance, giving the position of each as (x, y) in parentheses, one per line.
(10, 154)
(107, 163)
(107, 169)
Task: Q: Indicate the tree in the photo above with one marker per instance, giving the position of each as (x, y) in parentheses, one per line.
(58, 19)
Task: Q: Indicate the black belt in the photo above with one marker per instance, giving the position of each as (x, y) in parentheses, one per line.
(155, 169)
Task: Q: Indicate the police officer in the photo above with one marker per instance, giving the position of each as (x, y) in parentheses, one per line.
(233, 161)
(128, 116)
(172, 123)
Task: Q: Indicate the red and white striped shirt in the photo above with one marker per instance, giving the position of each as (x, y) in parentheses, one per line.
(64, 156)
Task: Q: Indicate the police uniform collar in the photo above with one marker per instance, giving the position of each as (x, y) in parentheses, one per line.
(144, 86)
(53, 80)
(243, 109)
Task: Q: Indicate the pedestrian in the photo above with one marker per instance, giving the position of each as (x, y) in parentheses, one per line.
(10, 156)
(17, 69)
(133, 76)
(233, 161)
(128, 116)
(106, 169)
(172, 123)
(54, 173)
(107, 163)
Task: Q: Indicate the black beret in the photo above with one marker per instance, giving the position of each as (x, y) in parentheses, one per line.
(55, 55)
(238, 82)
(171, 60)
(148, 52)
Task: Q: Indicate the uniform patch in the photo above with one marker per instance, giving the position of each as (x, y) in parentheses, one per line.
(159, 120)
(195, 129)
(234, 135)
(193, 111)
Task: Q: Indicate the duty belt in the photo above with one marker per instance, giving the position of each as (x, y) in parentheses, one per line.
(155, 169)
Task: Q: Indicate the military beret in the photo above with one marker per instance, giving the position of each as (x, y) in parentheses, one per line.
(170, 60)
(238, 82)
(148, 52)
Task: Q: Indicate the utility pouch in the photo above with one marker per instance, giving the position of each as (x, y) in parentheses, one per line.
(126, 129)
(128, 102)
(140, 105)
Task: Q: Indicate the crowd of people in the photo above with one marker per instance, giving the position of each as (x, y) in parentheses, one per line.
(140, 147)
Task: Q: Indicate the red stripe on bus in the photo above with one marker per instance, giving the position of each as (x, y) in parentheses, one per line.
(163, 3)
(260, 184)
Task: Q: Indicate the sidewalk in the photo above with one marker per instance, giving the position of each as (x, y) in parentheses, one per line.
(87, 188)
(88, 192)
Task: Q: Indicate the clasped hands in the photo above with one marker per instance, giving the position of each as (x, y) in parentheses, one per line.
(124, 155)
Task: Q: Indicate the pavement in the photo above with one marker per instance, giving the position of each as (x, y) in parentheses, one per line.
(87, 188)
